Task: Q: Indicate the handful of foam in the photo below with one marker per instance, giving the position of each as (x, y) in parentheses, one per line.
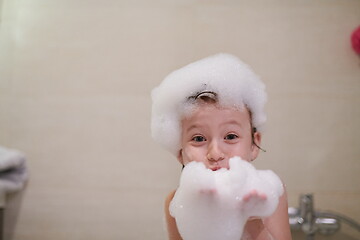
(215, 205)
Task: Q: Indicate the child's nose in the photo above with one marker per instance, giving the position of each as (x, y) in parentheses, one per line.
(214, 152)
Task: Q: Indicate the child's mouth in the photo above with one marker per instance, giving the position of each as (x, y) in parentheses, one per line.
(215, 168)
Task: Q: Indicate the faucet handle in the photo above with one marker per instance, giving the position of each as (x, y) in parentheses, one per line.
(307, 214)
(306, 207)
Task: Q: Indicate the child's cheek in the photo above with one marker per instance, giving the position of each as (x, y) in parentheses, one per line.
(192, 154)
(187, 155)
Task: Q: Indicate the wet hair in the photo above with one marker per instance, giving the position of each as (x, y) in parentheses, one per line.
(206, 96)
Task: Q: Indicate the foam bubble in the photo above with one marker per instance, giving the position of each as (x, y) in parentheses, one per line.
(232, 80)
(210, 205)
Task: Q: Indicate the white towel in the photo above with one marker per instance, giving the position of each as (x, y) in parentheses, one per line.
(13, 171)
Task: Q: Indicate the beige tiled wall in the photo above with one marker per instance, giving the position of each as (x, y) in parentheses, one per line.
(75, 82)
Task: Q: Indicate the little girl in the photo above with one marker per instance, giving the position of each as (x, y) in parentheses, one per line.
(210, 111)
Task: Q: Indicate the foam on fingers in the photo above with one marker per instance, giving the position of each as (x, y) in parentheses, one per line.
(214, 205)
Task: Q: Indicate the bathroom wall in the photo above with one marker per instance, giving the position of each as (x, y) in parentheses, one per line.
(75, 83)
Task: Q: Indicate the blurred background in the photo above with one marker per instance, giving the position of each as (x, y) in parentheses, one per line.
(75, 84)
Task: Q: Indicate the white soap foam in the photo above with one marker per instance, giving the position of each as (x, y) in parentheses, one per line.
(210, 205)
(232, 80)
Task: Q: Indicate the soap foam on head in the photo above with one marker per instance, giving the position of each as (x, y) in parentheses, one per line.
(209, 205)
(235, 84)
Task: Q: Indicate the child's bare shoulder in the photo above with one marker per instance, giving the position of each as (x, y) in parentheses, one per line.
(173, 232)
(169, 197)
(168, 200)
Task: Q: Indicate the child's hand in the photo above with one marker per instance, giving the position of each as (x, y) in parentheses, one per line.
(254, 196)
(252, 201)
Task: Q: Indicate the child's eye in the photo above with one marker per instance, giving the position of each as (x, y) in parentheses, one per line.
(231, 136)
(198, 138)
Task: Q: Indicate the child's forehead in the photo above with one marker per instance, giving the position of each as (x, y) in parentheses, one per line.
(209, 112)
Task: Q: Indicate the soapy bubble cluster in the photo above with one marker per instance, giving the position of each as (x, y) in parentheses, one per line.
(234, 83)
(212, 205)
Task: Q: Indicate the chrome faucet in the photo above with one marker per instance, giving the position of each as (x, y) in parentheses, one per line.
(306, 219)
(307, 214)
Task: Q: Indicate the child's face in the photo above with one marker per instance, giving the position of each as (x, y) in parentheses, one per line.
(213, 135)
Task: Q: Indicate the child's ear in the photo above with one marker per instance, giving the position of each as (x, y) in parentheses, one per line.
(255, 149)
(180, 157)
